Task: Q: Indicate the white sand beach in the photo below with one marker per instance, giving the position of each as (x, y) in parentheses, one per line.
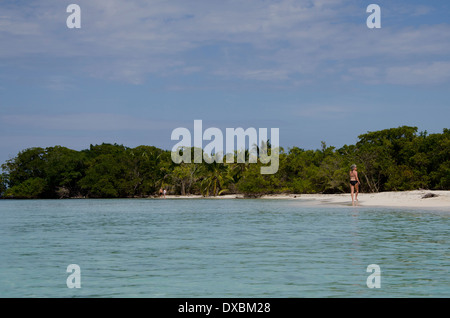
(416, 198)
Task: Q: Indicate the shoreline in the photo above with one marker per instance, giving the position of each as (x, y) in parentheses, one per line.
(412, 198)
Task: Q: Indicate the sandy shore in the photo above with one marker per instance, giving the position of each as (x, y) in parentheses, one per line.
(416, 198)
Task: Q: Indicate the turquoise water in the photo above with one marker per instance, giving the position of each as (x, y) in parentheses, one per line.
(220, 248)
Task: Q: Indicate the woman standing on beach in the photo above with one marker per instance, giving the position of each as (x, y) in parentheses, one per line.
(354, 182)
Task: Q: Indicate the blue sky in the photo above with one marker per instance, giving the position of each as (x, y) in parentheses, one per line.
(136, 70)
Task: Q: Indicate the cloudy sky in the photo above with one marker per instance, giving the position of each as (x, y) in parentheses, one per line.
(136, 70)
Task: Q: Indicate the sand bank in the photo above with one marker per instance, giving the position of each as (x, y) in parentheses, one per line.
(416, 198)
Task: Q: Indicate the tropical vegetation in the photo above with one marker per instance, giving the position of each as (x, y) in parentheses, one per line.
(393, 159)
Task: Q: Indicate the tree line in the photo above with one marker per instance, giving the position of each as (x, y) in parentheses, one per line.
(393, 159)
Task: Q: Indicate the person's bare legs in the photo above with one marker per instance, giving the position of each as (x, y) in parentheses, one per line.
(356, 192)
(352, 191)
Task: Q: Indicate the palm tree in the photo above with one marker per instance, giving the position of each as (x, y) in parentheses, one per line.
(184, 176)
(215, 175)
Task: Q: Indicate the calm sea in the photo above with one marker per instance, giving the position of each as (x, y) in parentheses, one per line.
(220, 248)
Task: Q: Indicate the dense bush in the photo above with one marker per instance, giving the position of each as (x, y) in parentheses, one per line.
(388, 160)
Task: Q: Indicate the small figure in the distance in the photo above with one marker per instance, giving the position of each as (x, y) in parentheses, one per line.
(354, 183)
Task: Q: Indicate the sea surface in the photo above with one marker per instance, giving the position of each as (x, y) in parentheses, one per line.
(179, 248)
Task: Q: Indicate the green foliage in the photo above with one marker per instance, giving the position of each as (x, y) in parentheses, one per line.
(184, 177)
(213, 178)
(3, 183)
(29, 189)
(64, 168)
(388, 160)
(116, 171)
(29, 163)
(253, 183)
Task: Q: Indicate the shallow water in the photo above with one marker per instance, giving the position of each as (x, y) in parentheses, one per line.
(220, 248)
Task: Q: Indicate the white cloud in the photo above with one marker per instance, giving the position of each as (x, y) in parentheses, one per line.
(425, 73)
(83, 122)
(410, 74)
(257, 40)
